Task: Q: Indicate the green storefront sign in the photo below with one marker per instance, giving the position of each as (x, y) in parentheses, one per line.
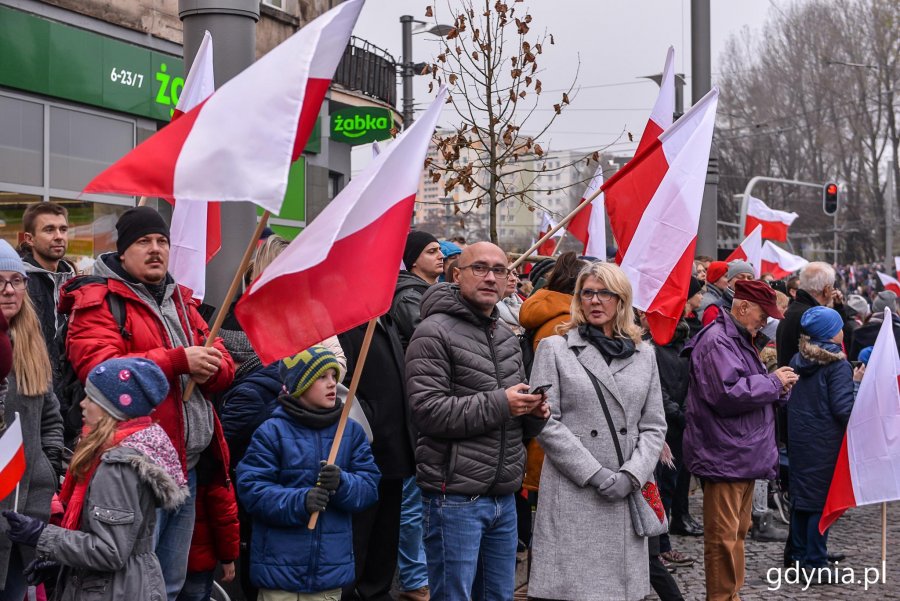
(361, 125)
(293, 212)
(50, 58)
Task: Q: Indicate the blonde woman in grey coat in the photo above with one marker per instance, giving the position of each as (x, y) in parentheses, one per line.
(584, 544)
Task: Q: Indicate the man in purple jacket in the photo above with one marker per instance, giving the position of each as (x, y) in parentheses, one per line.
(729, 438)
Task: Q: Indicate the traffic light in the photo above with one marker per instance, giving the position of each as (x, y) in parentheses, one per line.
(830, 198)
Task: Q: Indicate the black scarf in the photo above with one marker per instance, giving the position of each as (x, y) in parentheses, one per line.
(311, 418)
(610, 348)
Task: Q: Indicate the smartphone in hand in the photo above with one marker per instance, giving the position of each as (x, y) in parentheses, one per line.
(541, 389)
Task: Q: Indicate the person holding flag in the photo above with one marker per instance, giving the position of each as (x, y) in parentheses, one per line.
(161, 324)
(124, 467)
(30, 396)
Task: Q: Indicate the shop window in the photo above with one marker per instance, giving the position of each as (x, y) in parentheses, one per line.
(83, 144)
(21, 142)
(92, 229)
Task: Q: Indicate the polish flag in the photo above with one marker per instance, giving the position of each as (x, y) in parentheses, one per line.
(774, 223)
(663, 112)
(342, 269)
(868, 465)
(897, 266)
(196, 231)
(589, 224)
(779, 262)
(549, 246)
(12, 458)
(654, 210)
(750, 250)
(889, 283)
(239, 144)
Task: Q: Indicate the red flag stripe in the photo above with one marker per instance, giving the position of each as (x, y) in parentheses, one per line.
(840, 494)
(315, 290)
(665, 312)
(312, 100)
(771, 230)
(12, 472)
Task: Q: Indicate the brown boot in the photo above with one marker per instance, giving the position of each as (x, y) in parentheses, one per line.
(420, 594)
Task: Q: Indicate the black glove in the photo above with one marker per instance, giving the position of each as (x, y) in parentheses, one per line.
(40, 571)
(23, 529)
(316, 499)
(329, 477)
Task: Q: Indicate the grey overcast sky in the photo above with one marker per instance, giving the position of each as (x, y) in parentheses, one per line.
(618, 41)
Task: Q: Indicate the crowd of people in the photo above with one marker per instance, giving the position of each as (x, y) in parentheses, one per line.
(497, 412)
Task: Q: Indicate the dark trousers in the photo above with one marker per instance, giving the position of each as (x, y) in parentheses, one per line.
(807, 545)
(660, 578)
(376, 536)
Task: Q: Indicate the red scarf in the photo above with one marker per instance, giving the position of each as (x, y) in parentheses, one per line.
(74, 489)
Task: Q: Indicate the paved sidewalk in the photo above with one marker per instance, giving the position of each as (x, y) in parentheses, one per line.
(857, 534)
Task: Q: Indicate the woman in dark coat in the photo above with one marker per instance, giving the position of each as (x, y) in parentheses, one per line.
(818, 412)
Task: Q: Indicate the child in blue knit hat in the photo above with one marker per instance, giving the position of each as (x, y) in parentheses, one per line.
(818, 412)
(283, 480)
(123, 469)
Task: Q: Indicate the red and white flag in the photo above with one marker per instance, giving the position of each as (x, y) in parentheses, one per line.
(342, 269)
(897, 266)
(239, 144)
(779, 262)
(589, 224)
(12, 458)
(654, 210)
(663, 112)
(750, 250)
(868, 464)
(196, 231)
(889, 283)
(775, 224)
(549, 246)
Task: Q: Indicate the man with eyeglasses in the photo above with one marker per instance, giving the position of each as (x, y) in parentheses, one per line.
(470, 402)
(46, 240)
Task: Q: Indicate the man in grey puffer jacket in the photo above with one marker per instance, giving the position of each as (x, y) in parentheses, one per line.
(466, 387)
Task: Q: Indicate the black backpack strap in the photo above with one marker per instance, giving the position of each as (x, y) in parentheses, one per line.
(117, 308)
(609, 422)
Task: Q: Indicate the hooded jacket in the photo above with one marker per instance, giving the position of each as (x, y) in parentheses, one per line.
(821, 402)
(405, 306)
(158, 332)
(730, 410)
(44, 288)
(865, 335)
(543, 311)
(111, 557)
(458, 366)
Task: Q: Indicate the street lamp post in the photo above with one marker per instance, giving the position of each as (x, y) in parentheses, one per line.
(407, 66)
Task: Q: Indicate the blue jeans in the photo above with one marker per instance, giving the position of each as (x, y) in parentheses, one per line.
(174, 530)
(411, 567)
(197, 586)
(807, 545)
(470, 543)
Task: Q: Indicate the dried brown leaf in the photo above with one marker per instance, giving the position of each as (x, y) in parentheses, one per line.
(565, 98)
(428, 12)
(537, 86)
(557, 108)
(551, 40)
(451, 79)
(475, 55)
(453, 33)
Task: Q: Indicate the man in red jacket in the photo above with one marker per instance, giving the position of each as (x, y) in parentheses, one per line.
(161, 324)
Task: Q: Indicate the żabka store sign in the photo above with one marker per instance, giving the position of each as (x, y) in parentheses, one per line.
(361, 125)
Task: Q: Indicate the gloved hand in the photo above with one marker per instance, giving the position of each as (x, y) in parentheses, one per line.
(317, 499)
(616, 487)
(23, 529)
(329, 477)
(40, 571)
(602, 475)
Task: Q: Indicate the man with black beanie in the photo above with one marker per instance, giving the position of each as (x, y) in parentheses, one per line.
(157, 320)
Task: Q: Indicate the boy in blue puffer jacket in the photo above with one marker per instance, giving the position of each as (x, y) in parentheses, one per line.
(283, 479)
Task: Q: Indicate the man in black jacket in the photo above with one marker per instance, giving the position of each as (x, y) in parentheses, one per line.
(46, 235)
(865, 335)
(382, 396)
(471, 406)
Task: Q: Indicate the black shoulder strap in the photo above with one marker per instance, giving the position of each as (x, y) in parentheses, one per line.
(609, 422)
(117, 308)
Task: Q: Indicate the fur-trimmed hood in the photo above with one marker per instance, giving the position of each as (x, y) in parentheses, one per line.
(812, 356)
(155, 460)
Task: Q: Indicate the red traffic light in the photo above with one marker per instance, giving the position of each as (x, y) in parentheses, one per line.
(831, 189)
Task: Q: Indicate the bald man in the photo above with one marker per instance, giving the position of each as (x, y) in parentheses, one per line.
(470, 402)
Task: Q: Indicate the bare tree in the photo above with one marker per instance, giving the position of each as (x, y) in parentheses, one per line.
(815, 98)
(490, 61)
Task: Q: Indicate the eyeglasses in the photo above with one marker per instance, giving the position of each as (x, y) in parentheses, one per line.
(481, 270)
(603, 295)
(18, 284)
